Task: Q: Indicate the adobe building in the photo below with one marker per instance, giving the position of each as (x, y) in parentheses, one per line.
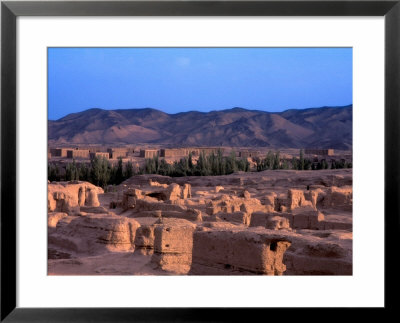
(78, 153)
(324, 152)
(148, 153)
(59, 152)
(209, 150)
(115, 153)
(92, 149)
(175, 152)
(184, 152)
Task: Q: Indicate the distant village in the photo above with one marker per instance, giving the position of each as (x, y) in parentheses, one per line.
(138, 155)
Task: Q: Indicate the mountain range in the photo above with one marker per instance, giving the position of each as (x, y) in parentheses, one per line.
(325, 127)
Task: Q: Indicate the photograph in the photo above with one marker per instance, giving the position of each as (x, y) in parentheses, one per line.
(200, 161)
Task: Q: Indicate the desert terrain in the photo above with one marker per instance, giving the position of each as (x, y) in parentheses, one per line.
(272, 222)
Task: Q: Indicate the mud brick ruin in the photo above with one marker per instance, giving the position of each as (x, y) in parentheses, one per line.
(78, 153)
(266, 223)
(148, 153)
(323, 152)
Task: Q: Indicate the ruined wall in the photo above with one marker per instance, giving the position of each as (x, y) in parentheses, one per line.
(115, 154)
(95, 234)
(70, 197)
(59, 152)
(183, 152)
(78, 153)
(176, 152)
(146, 153)
(249, 226)
(240, 252)
(324, 253)
(173, 244)
(327, 152)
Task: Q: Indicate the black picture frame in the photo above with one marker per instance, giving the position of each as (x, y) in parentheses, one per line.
(10, 10)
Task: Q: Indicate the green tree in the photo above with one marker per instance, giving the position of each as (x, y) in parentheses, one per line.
(231, 164)
(190, 163)
(119, 175)
(71, 171)
(277, 161)
(285, 164)
(128, 170)
(202, 165)
(243, 165)
(324, 164)
(295, 163)
(150, 166)
(258, 161)
(165, 168)
(221, 162)
(84, 172)
(307, 164)
(100, 171)
(269, 160)
(301, 160)
(53, 172)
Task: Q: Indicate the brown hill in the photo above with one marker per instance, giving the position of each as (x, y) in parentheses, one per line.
(327, 127)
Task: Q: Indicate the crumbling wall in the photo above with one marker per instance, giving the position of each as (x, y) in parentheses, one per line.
(95, 233)
(273, 220)
(230, 204)
(144, 238)
(165, 210)
(299, 218)
(313, 256)
(68, 197)
(130, 197)
(234, 217)
(230, 252)
(339, 198)
(173, 243)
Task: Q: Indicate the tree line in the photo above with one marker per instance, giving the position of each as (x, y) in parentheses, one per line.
(274, 161)
(101, 172)
(207, 165)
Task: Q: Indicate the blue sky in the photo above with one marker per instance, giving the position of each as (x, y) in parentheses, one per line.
(203, 79)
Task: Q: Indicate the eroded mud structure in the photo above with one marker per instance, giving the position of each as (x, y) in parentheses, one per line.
(265, 223)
